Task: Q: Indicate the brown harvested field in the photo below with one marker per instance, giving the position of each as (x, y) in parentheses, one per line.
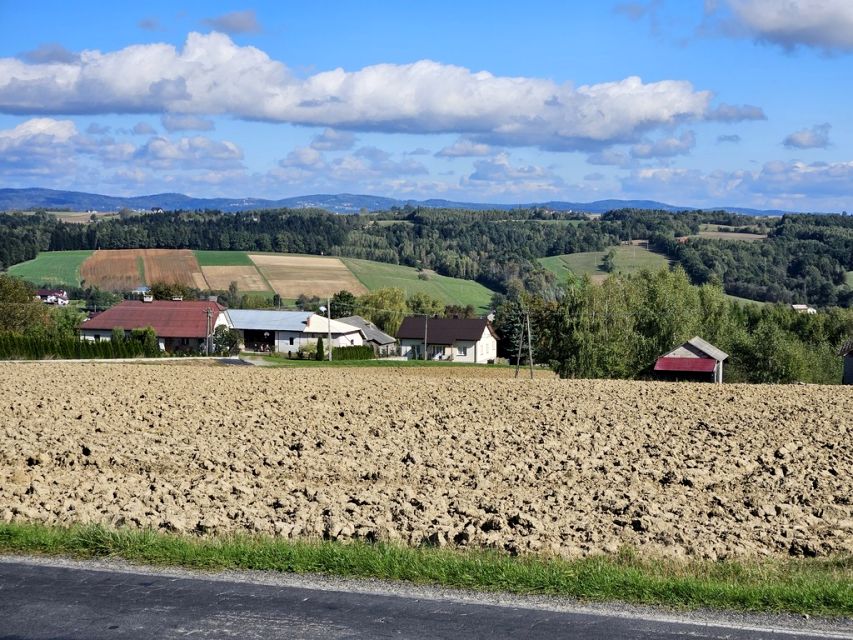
(119, 270)
(174, 266)
(291, 276)
(550, 466)
(730, 235)
(247, 278)
(112, 270)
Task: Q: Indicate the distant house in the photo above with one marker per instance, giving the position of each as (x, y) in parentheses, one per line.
(286, 331)
(382, 343)
(846, 352)
(58, 297)
(457, 339)
(804, 308)
(180, 326)
(693, 360)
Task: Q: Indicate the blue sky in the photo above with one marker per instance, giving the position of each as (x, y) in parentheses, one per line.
(721, 102)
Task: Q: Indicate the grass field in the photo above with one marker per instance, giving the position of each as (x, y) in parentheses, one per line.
(628, 259)
(377, 275)
(57, 268)
(802, 586)
(223, 259)
(744, 300)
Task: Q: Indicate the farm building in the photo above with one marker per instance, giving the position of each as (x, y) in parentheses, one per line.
(457, 339)
(382, 343)
(846, 352)
(180, 326)
(58, 297)
(286, 331)
(693, 360)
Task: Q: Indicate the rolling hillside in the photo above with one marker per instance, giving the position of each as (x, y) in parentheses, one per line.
(285, 274)
(628, 259)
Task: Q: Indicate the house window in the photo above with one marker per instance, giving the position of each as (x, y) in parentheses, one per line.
(291, 342)
(461, 350)
(185, 341)
(97, 338)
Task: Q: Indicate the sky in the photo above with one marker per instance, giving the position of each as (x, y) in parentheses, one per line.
(695, 103)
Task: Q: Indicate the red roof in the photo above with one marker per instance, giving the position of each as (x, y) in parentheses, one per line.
(700, 365)
(168, 318)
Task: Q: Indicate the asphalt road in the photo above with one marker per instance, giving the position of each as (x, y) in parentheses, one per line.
(41, 600)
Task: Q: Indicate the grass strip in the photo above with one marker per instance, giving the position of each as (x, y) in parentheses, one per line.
(805, 586)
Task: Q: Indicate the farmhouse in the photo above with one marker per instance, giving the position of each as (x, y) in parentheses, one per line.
(846, 352)
(382, 343)
(180, 326)
(693, 360)
(58, 297)
(286, 331)
(457, 339)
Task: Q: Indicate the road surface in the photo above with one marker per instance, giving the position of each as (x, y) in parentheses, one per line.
(54, 599)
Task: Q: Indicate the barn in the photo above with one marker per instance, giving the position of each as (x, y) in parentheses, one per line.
(696, 359)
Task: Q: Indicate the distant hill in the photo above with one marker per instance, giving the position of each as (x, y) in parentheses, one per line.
(28, 199)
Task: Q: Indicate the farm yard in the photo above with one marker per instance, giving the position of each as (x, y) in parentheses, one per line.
(629, 258)
(546, 466)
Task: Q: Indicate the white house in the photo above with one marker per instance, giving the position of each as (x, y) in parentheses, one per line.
(286, 331)
(457, 339)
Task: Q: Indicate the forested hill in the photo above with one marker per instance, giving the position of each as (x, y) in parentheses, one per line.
(796, 258)
(32, 199)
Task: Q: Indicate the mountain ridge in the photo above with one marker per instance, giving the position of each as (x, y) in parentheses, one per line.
(344, 203)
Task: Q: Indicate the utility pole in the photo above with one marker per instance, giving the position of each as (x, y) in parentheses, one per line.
(426, 321)
(518, 350)
(329, 325)
(209, 313)
(529, 344)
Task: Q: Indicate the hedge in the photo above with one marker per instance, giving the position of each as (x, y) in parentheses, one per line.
(18, 347)
(363, 352)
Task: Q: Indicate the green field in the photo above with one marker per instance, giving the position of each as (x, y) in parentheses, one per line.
(743, 300)
(55, 268)
(223, 259)
(378, 275)
(628, 259)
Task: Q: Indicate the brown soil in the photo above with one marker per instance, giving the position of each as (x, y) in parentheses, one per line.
(122, 269)
(290, 276)
(247, 278)
(568, 467)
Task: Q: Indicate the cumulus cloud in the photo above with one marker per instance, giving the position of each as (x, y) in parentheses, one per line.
(822, 24)
(236, 22)
(464, 148)
(211, 75)
(331, 140)
(185, 153)
(49, 53)
(732, 137)
(817, 137)
(174, 122)
(143, 129)
(609, 157)
(499, 170)
(666, 147)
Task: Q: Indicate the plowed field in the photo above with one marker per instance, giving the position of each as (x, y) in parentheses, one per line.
(247, 278)
(125, 269)
(553, 466)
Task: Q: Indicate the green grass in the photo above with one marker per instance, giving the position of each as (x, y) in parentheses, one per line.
(850, 279)
(223, 259)
(56, 268)
(377, 275)
(804, 586)
(744, 300)
(284, 361)
(628, 260)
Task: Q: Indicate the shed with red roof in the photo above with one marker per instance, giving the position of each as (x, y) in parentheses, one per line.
(695, 359)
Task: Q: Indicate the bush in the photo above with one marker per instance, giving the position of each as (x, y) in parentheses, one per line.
(17, 347)
(363, 352)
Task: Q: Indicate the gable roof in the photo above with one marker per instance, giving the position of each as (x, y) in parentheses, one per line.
(703, 347)
(444, 330)
(370, 330)
(168, 318)
(846, 349)
(268, 320)
(320, 324)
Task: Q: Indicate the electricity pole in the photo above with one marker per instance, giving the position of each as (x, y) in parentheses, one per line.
(426, 321)
(209, 313)
(329, 324)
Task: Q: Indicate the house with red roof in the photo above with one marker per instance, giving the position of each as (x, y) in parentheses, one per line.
(181, 326)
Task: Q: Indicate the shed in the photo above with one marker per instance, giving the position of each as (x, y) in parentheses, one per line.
(695, 359)
(382, 343)
(846, 352)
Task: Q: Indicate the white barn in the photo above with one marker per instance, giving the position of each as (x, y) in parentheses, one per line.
(287, 331)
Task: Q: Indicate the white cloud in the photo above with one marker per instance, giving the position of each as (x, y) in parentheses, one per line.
(174, 122)
(609, 157)
(736, 113)
(189, 153)
(822, 24)
(732, 137)
(666, 147)
(499, 175)
(143, 129)
(331, 140)
(50, 52)
(236, 22)
(212, 75)
(464, 148)
(817, 137)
